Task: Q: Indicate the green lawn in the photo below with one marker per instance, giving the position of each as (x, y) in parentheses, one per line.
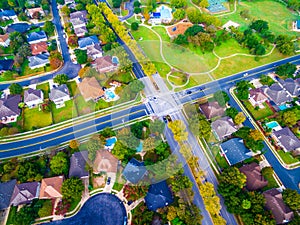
(287, 157)
(220, 159)
(101, 104)
(278, 16)
(124, 78)
(33, 118)
(64, 113)
(73, 204)
(162, 68)
(82, 106)
(162, 33)
(12, 214)
(230, 47)
(45, 88)
(27, 71)
(178, 78)
(268, 175)
(117, 186)
(259, 113)
(72, 86)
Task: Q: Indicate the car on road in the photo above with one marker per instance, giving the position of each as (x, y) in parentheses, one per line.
(169, 118)
(165, 119)
(245, 74)
(155, 99)
(188, 92)
(108, 181)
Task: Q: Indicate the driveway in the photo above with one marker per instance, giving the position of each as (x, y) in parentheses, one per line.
(101, 209)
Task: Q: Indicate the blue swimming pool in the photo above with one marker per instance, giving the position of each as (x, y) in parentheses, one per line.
(140, 147)
(110, 94)
(283, 107)
(110, 141)
(273, 125)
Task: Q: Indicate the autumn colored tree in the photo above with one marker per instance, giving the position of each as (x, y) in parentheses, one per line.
(239, 118)
(74, 144)
(73, 41)
(179, 130)
(256, 135)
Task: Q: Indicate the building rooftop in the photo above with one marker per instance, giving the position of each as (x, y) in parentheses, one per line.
(223, 127)
(105, 162)
(87, 41)
(134, 171)
(6, 191)
(287, 139)
(9, 106)
(78, 163)
(24, 193)
(59, 92)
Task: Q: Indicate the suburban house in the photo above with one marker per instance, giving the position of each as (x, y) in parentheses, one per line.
(90, 89)
(78, 163)
(77, 23)
(94, 51)
(287, 140)
(32, 12)
(87, 41)
(8, 15)
(235, 151)
(79, 15)
(134, 171)
(80, 31)
(20, 27)
(223, 127)
(277, 94)
(163, 14)
(69, 2)
(291, 86)
(39, 48)
(6, 191)
(257, 98)
(275, 203)
(38, 61)
(6, 64)
(106, 162)
(159, 196)
(230, 24)
(4, 40)
(212, 109)
(9, 108)
(59, 95)
(24, 193)
(36, 37)
(33, 97)
(104, 64)
(51, 187)
(255, 180)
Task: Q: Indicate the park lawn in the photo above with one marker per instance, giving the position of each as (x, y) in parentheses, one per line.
(72, 86)
(65, 113)
(131, 20)
(230, 47)
(178, 78)
(45, 88)
(162, 68)
(82, 106)
(287, 157)
(239, 63)
(260, 113)
(200, 79)
(162, 33)
(33, 118)
(278, 16)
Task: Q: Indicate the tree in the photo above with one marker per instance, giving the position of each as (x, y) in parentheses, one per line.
(16, 41)
(66, 10)
(136, 86)
(221, 97)
(181, 40)
(95, 143)
(204, 4)
(256, 135)
(55, 59)
(179, 130)
(239, 118)
(136, 4)
(178, 3)
(179, 14)
(259, 25)
(266, 80)
(49, 28)
(61, 79)
(243, 89)
(284, 44)
(72, 188)
(246, 204)
(290, 118)
(291, 198)
(15, 89)
(81, 56)
(231, 112)
(73, 41)
(233, 176)
(157, 127)
(59, 164)
(137, 10)
(74, 144)
(61, 2)
(194, 15)
(122, 152)
(127, 138)
(193, 30)
(117, 3)
(135, 26)
(287, 69)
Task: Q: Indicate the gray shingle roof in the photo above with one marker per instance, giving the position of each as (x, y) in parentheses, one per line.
(6, 64)
(87, 41)
(6, 190)
(39, 59)
(9, 106)
(31, 95)
(235, 151)
(79, 14)
(158, 196)
(290, 86)
(134, 171)
(24, 193)
(223, 127)
(277, 94)
(34, 36)
(287, 139)
(7, 13)
(59, 92)
(77, 164)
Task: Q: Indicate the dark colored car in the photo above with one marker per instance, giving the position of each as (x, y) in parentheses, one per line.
(108, 181)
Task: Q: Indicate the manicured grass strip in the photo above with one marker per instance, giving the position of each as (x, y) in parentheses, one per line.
(12, 214)
(117, 186)
(65, 113)
(259, 113)
(178, 78)
(45, 88)
(72, 86)
(162, 68)
(287, 157)
(33, 118)
(220, 159)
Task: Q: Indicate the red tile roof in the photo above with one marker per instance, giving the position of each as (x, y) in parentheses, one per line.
(38, 48)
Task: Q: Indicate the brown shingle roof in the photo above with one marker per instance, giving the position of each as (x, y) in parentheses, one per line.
(105, 162)
(104, 64)
(90, 88)
(51, 187)
(212, 109)
(4, 37)
(280, 211)
(257, 95)
(38, 48)
(255, 180)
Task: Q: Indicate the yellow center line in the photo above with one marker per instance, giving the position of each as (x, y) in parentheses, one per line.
(85, 128)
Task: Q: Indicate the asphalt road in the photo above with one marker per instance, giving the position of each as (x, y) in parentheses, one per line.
(38, 143)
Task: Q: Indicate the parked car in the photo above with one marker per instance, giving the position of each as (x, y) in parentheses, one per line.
(108, 181)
